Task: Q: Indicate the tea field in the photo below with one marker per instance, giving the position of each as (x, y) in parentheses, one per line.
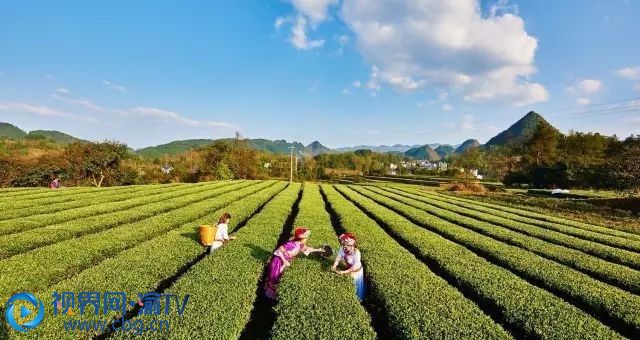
(437, 266)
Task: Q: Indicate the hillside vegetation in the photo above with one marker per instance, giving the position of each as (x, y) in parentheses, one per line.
(520, 132)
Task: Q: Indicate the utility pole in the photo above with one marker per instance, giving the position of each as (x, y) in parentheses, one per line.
(291, 165)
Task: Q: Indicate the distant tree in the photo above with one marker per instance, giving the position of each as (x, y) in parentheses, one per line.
(39, 175)
(517, 177)
(502, 160)
(96, 162)
(215, 153)
(632, 141)
(307, 168)
(552, 176)
(584, 154)
(471, 158)
(583, 149)
(623, 170)
(243, 160)
(222, 171)
(541, 148)
(362, 161)
(363, 152)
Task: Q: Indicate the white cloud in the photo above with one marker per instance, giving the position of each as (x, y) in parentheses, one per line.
(87, 104)
(345, 92)
(494, 128)
(443, 95)
(636, 87)
(590, 85)
(374, 83)
(343, 40)
(281, 21)
(25, 107)
(309, 14)
(583, 89)
(447, 107)
(583, 101)
(632, 73)
(141, 111)
(63, 90)
(502, 7)
(43, 111)
(357, 84)
(174, 117)
(467, 123)
(419, 43)
(299, 36)
(114, 86)
(316, 10)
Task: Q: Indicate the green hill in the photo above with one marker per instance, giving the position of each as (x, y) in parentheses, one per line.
(266, 145)
(173, 148)
(469, 143)
(444, 150)
(56, 136)
(11, 131)
(520, 132)
(316, 148)
(275, 146)
(424, 152)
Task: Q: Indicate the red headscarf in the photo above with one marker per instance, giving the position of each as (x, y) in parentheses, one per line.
(299, 233)
(347, 239)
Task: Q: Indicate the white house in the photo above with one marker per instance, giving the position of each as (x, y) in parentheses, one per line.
(392, 169)
(166, 169)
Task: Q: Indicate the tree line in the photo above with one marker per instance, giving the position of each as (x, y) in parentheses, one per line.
(110, 163)
(547, 160)
(554, 160)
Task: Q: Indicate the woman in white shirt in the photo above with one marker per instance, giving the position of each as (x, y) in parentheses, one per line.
(222, 232)
(350, 255)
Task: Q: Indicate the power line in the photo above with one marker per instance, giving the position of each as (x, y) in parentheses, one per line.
(592, 105)
(581, 112)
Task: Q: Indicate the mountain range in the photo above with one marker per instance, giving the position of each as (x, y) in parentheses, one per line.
(424, 152)
(12, 131)
(383, 148)
(518, 133)
(428, 153)
(273, 146)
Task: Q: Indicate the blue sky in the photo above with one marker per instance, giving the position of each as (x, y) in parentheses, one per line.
(344, 72)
